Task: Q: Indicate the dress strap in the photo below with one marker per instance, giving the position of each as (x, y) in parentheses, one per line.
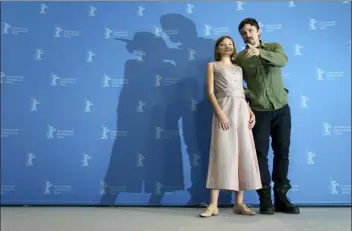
(214, 65)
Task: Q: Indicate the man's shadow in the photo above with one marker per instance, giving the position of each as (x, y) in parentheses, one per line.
(191, 58)
(148, 159)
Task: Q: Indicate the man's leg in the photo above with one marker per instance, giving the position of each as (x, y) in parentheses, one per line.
(261, 133)
(281, 138)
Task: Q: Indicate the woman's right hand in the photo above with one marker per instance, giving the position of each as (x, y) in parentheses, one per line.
(224, 122)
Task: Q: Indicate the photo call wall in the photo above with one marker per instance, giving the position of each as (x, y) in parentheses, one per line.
(104, 103)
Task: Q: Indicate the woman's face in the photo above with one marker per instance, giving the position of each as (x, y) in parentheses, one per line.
(225, 48)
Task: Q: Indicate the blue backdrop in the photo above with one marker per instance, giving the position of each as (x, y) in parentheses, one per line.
(90, 119)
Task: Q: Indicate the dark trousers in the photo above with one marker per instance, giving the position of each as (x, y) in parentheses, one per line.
(277, 124)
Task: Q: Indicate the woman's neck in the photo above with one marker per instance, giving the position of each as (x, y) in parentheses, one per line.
(226, 60)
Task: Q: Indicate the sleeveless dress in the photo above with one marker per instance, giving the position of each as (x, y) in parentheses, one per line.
(233, 163)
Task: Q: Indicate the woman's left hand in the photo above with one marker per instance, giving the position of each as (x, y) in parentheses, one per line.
(251, 120)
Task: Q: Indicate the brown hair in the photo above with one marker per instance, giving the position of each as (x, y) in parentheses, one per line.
(217, 43)
(250, 21)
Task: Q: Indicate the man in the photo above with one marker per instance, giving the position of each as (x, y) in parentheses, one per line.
(261, 64)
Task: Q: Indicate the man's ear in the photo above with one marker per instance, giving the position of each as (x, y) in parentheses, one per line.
(259, 32)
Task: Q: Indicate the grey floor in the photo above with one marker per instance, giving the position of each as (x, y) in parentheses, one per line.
(167, 219)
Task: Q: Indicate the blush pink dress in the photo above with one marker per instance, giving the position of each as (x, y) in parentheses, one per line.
(233, 163)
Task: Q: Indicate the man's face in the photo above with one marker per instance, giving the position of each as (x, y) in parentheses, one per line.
(250, 34)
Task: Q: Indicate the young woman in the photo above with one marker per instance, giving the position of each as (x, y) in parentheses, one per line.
(233, 164)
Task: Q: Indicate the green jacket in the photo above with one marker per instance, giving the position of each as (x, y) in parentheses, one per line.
(265, 90)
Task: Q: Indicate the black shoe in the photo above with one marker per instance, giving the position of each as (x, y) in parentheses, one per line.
(266, 205)
(282, 203)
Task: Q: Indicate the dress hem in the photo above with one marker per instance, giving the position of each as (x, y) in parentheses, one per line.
(235, 189)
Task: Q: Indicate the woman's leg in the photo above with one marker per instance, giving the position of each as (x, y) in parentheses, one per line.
(239, 206)
(239, 197)
(212, 209)
(214, 196)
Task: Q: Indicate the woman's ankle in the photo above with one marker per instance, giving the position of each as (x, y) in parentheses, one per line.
(213, 204)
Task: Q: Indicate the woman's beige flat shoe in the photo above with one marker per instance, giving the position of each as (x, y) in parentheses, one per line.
(243, 209)
(211, 210)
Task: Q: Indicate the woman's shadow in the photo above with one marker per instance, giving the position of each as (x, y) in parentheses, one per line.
(192, 56)
(148, 159)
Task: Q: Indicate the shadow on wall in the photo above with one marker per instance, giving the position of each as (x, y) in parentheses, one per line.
(164, 94)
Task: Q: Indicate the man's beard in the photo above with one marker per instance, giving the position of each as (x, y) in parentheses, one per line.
(250, 41)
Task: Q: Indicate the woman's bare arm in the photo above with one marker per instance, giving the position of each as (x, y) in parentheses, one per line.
(210, 89)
